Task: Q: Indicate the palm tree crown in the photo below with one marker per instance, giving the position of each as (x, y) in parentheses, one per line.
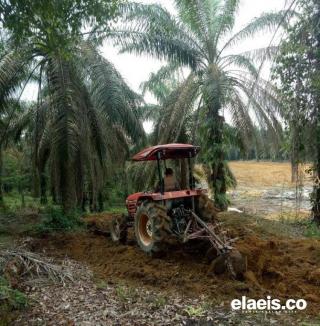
(200, 37)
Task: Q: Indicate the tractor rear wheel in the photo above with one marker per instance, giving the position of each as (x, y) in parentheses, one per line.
(152, 227)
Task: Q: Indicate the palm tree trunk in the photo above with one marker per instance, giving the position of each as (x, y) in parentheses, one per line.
(79, 181)
(215, 154)
(43, 188)
(35, 168)
(100, 202)
(68, 188)
(218, 173)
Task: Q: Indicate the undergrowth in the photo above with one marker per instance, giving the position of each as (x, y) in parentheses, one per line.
(55, 220)
(309, 228)
(10, 300)
(312, 230)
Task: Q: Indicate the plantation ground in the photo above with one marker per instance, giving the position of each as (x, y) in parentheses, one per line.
(266, 174)
(282, 262)
(266, 187)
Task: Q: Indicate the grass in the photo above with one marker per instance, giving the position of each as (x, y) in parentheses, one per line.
(116, 209)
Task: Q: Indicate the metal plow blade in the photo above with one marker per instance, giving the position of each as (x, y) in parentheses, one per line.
(228, 259)
(233, 262)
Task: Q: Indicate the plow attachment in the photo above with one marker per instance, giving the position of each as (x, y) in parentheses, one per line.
(225, 258)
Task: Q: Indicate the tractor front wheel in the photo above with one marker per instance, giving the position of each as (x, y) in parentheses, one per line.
(152, 227)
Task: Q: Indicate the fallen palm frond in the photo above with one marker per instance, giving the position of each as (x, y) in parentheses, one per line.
(20, 265)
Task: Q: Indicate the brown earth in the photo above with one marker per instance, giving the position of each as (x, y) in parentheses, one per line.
(277, 266)
(255, 174)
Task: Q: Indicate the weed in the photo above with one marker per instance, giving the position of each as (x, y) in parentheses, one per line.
(160, 302)
(126, 294)
(195, 311)
(101, 284)
(121, 292)
(10, 299)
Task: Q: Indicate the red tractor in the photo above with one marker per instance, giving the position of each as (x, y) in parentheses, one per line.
(183, 214)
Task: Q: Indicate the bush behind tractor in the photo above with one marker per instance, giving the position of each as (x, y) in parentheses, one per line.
(180, 214)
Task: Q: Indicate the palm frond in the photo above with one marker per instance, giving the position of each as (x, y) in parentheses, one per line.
(176, 109)
(225, 20)
(162, 82)
(240, 61)
(110, 94)
(265, 22)
(169, 47)
(150, 112)
(12, 70)
(241, 118)
(194, 13)
(261, 54)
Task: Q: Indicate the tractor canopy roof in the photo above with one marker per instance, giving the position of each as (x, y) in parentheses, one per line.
(167, 151)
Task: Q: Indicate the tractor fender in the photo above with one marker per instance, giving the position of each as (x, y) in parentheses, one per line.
(134, 200)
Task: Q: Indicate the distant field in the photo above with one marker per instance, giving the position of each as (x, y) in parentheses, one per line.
(252, 173)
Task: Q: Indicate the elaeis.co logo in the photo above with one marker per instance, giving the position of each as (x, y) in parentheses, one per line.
(268, 305)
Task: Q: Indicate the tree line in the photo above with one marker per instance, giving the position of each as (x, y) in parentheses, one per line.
(87, 121)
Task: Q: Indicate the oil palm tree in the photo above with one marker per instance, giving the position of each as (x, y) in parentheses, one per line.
(221, 79)
(85, 116)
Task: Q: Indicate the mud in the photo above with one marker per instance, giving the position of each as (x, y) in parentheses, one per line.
(266, 200)
(278, 267)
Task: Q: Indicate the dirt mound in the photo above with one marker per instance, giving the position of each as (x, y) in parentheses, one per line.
(99, 223)
(287, 268)
(277, 267)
